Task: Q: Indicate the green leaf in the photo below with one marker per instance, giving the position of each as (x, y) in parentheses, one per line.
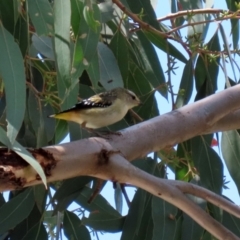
(230, 145)
(41, 14)
(67, 84)
(78, 54)
(181, 169)
(62, 13)
(152, 65)
(13, 74)
(94, 72)
(119, 47)
(135, 214)
(44, 46)
(27, 156)
(208, 164)
(110, 76)
(3, 138)
(146, 225)
(206, 71)
(231, 222)
(70, 186)
(164, 45)
(104, 222)
(137, 81)
(147, 165)
(40, 196)
(36, 117)
(164, 219)
(21, 34)
(89, 41)
(9, 14)
(25, 226)
(2, 200)
(37, 232)
(186, 85)
(190, 229)
(73, 228)
(99, 204)
(234, 6)
(64, 203)
(149, 109)
(88, 14)
(86, 41)
(226, 46)
(145, 11)
(61, 130)
(16, 210)
(76, 10)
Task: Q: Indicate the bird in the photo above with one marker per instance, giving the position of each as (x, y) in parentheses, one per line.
(102, 109)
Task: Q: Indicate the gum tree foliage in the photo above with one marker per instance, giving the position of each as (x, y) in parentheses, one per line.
(52, 53)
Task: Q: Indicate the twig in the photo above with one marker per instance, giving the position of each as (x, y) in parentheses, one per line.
(193, 12)
(141, 23)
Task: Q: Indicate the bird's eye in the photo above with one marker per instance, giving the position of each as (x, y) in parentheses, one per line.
(133, 98)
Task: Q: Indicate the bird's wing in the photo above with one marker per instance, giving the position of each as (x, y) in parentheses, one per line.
(96, 101)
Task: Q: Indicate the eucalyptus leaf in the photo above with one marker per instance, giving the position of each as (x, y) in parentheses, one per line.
(13, 74)
(110, 75)
(73, 229)
(16, 210)
(41, 14)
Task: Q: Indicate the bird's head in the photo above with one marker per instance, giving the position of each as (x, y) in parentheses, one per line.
(129, 97)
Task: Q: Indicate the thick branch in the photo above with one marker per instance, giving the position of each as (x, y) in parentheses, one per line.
(159, 132)
(93, 156)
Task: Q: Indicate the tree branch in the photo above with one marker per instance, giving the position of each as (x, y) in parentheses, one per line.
(94, 157)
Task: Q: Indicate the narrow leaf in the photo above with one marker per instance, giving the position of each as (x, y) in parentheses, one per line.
(99, 204)
(16, 210)
(104, 222)
(73, 228)
(145, 10)
(38, 232)
(208, 164)
(151, 62)
(13, 74)
(231, 154)
(186, 85)
(226, 45)
(164, 45)
(110, 76)
(119, 46)
(27, 156)
(41, 14)
(62, 13)
(44, 46)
